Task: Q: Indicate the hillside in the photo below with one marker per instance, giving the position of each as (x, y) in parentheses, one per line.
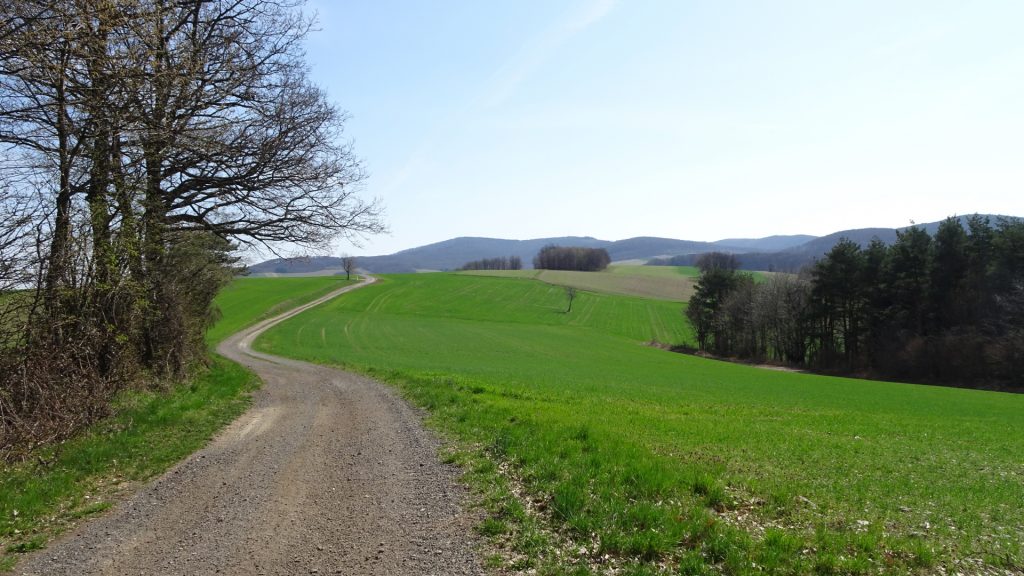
(780, 252)
(451, 254)
(796, 257)
(766, 244)
(651, 457)
(446, 255)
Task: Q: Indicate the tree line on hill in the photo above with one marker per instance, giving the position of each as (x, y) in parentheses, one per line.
(550, 257)
(945, 309)
(500, 263)
(553, 257)
(771, 261)
(143, 140)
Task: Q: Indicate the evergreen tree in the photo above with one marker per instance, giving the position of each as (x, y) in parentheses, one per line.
(909, 275)
(838, 296)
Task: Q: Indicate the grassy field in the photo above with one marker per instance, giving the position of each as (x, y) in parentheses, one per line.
(246, 301)
(148, 433)
(599, 452)
(656, 271)
(673, 283)
(688, 271)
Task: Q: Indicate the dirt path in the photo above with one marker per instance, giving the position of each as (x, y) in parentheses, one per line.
(327, 473)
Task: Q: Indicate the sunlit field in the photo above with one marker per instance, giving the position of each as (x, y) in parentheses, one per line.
(642, 458)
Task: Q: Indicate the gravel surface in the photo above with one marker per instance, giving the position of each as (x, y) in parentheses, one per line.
(327, 473)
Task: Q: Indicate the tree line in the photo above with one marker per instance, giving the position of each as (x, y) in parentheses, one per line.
(500, 263)
(771, 261)
(946, 309)
(143, 142)
(553, 257)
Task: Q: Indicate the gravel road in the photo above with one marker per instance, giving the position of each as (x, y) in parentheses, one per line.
(327, 473)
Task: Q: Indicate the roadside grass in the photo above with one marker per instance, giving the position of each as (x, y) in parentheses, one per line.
(148, 432)
(596, 453)
(671, 285)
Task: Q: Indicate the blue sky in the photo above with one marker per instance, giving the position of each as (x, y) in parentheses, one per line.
(685, 119)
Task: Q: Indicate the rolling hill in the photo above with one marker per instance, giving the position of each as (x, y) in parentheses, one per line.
(783, 253)
(640, 458)
(451, 254)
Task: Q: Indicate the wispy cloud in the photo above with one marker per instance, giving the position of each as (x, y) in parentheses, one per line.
(915, 42)
(500, 86)
(590, 13)
(536, 51)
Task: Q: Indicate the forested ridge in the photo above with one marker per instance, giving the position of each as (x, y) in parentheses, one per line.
(947, 308)
(143, 141)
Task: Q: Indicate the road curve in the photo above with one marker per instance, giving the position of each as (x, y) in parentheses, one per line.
(328, 473)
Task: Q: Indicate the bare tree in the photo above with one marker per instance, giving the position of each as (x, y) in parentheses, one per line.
(570, 293)
(156, 136)
(349, 262)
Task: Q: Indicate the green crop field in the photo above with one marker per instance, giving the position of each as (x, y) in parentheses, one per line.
(675, 271)
(673, 283)
(246, 301)
(624, 456)
(656, 271)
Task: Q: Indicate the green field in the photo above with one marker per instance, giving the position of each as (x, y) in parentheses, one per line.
(246, 301)
(673, 271)
(673, 283)
(636, 458)
(148, 432)
(656, 271)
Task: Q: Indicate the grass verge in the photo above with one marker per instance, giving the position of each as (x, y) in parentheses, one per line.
(149, 433)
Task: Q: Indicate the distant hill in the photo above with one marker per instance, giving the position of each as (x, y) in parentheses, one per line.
(304, 265)
(782, 253)
(451, 254)
(768, 244)
(446, 255)
(645, 247)
(796, 257)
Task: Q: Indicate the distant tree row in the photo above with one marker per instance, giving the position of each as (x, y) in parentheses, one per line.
(572, 258)
(501, 263)
(770, 261)
(680, 260)
(946, 309)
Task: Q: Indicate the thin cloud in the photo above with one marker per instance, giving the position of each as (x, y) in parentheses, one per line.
(538, 50)
(502, 84)
(590, 13)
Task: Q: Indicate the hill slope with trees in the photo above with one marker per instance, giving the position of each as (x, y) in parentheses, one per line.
(942, 308)
(772, 253)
